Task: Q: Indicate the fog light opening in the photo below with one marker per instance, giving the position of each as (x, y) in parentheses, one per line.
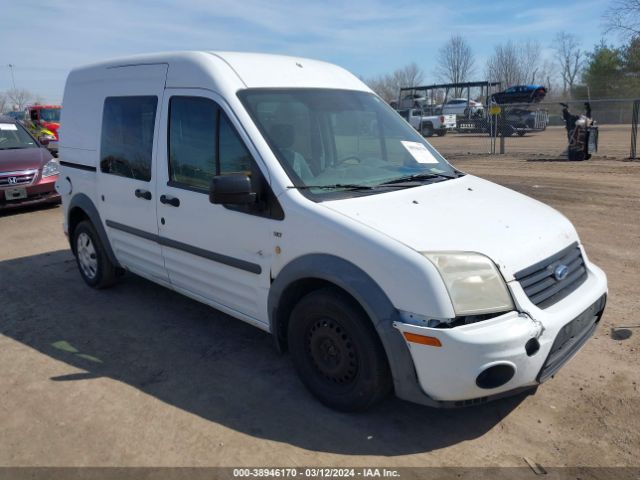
(495, 376)
(532, 347)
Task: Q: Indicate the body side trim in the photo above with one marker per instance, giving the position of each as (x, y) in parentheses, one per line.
(167, 242)
(79, 166)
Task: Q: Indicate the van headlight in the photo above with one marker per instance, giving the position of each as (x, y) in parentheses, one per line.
(473, 282)
(52, 167)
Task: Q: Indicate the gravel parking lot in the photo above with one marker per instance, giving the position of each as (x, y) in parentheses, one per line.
(614, 142)
(139, 375)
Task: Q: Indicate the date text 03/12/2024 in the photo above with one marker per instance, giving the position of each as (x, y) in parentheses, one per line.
(315, 472)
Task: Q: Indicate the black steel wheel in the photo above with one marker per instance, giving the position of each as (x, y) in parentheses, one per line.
(337, 352)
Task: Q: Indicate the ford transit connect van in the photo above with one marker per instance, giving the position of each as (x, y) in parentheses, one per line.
(283, 192)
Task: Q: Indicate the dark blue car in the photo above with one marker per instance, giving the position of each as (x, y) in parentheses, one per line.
(520, 94)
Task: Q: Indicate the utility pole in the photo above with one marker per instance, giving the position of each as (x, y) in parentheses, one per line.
(13, 80)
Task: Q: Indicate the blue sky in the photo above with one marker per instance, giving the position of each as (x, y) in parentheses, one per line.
(45, 39)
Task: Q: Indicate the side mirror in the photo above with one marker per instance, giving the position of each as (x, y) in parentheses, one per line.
(231, 190)
(44, 141)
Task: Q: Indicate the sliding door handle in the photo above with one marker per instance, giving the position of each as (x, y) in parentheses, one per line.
(146, 194)
(167, 200)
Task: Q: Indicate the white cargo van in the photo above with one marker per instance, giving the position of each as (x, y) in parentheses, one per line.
(283, 192)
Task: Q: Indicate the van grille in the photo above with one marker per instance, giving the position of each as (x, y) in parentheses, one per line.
(541, 283)
(12, 179)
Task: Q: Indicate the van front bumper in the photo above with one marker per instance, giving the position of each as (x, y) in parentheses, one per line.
(506, 354)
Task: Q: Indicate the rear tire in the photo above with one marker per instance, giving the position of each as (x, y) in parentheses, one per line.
(336, 351)
(442, 133)
(508, 131)
(93, 263)
(427, 130)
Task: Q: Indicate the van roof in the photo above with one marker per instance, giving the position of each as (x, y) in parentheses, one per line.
(246, 70)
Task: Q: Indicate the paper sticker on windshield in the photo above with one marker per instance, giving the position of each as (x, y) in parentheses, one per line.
(419, 152)
(8, 126)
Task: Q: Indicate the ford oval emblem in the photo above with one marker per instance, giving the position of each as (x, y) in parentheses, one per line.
(561, 272)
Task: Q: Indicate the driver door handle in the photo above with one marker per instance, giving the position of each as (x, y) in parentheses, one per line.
(146, 194)
(167, 200)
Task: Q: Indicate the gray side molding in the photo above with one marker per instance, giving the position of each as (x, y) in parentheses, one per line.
(373, 300)
(83, 202)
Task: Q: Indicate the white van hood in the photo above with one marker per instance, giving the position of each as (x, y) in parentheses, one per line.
(466, 214)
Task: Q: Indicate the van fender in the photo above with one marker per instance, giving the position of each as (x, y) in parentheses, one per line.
(84, 203)
(371, 298)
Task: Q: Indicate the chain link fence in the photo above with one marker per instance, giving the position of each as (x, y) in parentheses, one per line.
(538, 131)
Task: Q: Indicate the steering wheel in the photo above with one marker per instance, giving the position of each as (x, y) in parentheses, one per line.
(346, 159)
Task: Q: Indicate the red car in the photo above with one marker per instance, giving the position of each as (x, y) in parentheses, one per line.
(28, 172)
(42, 119)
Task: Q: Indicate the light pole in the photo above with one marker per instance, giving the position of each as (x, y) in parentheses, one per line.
(13, 80)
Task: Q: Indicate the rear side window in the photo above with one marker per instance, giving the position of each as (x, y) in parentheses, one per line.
(127, 136)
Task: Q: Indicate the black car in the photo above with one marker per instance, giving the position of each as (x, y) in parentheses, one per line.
(520, 94)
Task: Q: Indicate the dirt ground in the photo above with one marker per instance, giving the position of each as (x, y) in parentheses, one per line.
(139, 375)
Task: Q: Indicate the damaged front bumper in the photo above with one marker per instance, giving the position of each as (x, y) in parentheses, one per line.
(503, 355)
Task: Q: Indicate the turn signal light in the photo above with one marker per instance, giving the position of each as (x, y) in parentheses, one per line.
(422, 339)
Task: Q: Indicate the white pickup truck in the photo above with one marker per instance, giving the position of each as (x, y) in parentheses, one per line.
(427, 125)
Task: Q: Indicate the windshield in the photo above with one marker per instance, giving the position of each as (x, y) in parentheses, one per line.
(50, 114)
(337, 137)
(13, 136)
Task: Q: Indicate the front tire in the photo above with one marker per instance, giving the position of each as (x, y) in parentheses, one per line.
(93, 263)
(336, 351)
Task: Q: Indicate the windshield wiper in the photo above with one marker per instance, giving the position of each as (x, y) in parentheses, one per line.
(349, 186)
(419, 176)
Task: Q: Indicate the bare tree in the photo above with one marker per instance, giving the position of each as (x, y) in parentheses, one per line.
(547, 74)
(408, 76)
(530, 67)
(3, 103)
(514, 64)
(388, 86)
(19, 97)
(570, 59)
(504, 65)
(455, 61)
(623, 16)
